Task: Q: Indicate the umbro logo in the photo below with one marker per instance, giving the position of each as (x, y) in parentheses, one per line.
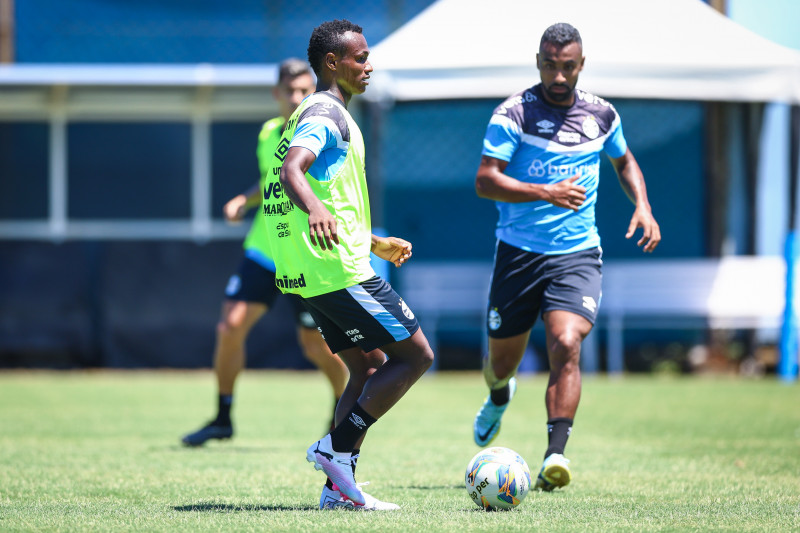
(545, 126)
(283, 147)
(358, 421)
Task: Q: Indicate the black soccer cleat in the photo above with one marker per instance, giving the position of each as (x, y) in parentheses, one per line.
(210, 431)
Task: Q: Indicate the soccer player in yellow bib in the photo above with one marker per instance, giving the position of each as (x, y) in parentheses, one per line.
(316, 211)
(252, 290)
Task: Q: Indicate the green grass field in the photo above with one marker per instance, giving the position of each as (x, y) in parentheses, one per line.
(99, 451)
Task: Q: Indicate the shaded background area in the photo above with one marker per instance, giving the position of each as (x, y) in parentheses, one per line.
(126, 305)
(134, 302)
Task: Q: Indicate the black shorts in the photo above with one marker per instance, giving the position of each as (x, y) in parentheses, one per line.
(368, 315)
(254, 283)
(526, 284)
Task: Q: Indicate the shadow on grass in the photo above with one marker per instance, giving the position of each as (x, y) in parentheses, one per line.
(227, 450)
(433, 487)
(476, 509)
(211, 507)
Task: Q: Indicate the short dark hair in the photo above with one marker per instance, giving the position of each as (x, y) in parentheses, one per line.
(328, 37)
(291, 68)
(561, 34)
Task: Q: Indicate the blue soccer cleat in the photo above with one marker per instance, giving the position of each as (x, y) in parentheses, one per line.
(487, 421)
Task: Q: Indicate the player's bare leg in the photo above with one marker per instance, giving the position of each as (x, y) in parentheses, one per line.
(375, 385)
(408, 361)
(237, 318)
(565, 332)
(361, 366)
(235, 323)
(316, 350)
(499, 368)
(505, 355)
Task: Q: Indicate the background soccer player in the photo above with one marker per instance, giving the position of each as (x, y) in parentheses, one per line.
(252, 291)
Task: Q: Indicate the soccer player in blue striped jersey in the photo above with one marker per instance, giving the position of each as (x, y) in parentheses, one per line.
(540, 164)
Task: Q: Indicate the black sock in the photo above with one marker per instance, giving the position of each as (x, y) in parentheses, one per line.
(558, 431)
(500, 396)
(224, 410)
(354, 459)
(333, 415)
(346, 434)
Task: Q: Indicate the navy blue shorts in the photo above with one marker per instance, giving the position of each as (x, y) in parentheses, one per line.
(254, 283)
(368, 315)
(527, 284)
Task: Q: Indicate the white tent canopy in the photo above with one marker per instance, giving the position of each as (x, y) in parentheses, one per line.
(665, 49)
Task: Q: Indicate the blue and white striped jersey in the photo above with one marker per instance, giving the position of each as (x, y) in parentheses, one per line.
(545, 144)
(322, 129)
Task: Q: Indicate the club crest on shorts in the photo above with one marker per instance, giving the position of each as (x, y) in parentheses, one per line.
(406, 310)
(494, 319)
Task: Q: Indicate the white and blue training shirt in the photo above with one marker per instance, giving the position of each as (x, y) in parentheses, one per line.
(545, 144)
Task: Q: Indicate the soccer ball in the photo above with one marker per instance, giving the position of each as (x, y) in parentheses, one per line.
(497, 478)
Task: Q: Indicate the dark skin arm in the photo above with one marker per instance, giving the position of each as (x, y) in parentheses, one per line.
(322, 228)
(491, 183)
(632, 181)
(321, 223)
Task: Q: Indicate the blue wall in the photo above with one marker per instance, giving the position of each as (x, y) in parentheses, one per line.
(183, 31)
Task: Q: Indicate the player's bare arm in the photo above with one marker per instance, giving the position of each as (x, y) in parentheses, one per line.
(392, 249)
(321, 223)
(492, 183)
(632, 181)
(237, 207)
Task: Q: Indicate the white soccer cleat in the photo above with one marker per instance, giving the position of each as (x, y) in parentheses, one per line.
(371, 503)
(487, 421)
(333, 499)
(336, 466)
(555, 473)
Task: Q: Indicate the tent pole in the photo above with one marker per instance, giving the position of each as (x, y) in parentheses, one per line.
(718, 116)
